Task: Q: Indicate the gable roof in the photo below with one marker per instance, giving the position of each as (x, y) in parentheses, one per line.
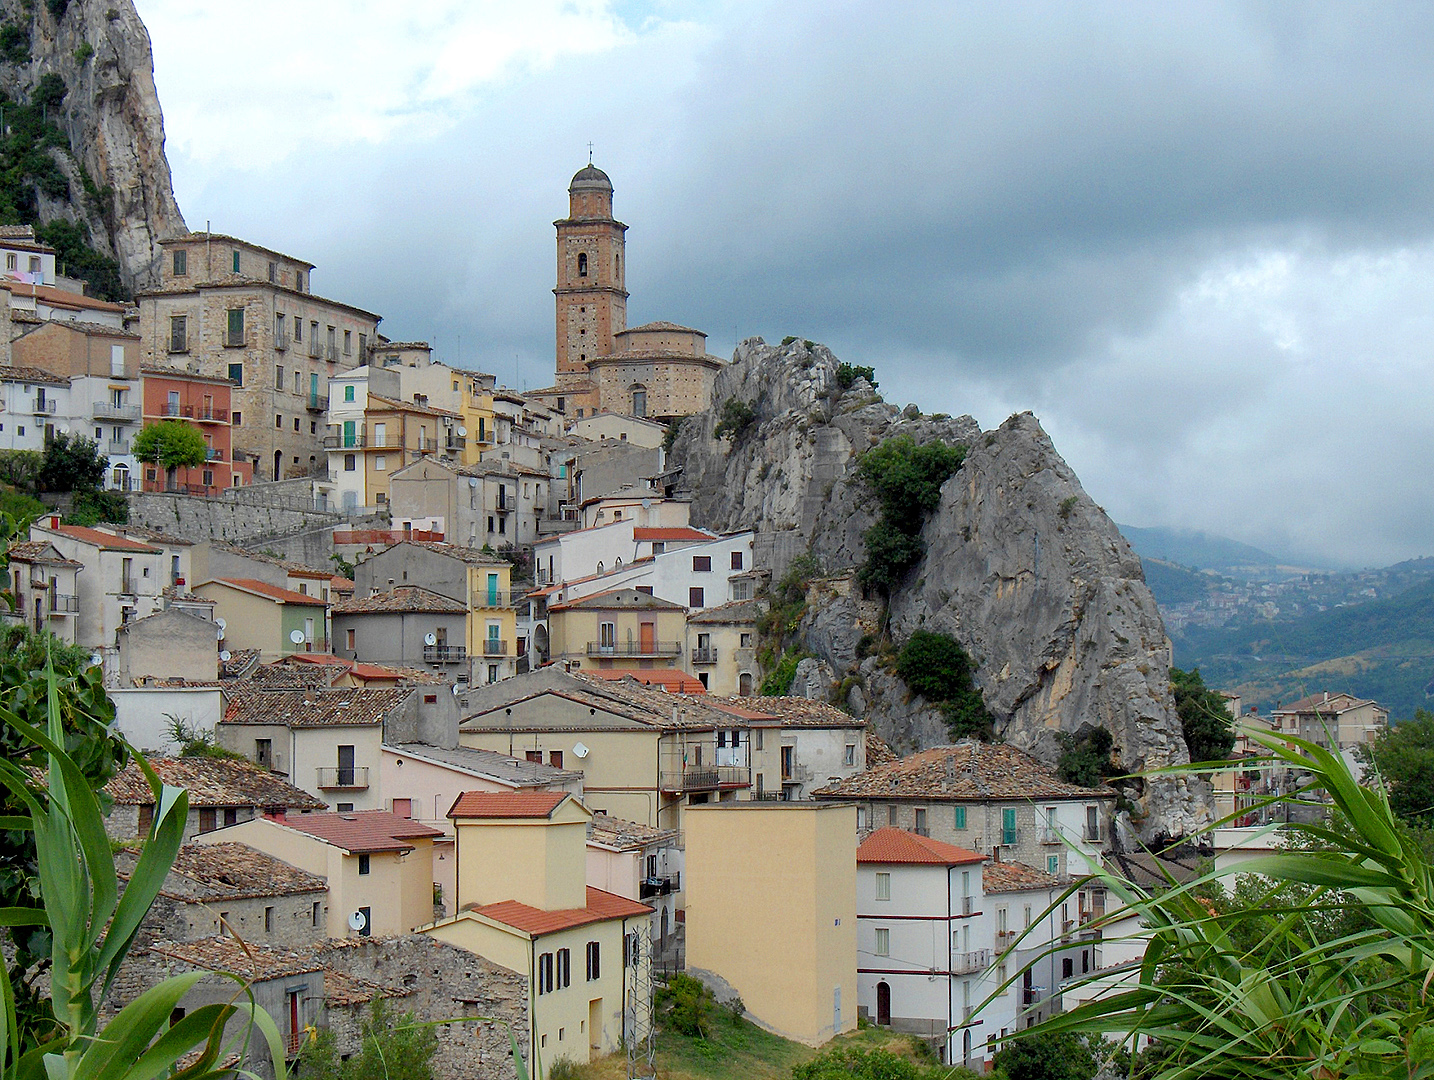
(102, 540)
(404, 598)
(212, 782)
(615, 599)
(362, 831)
(472, 556)
(601, 906)
(255, 587)
(506, 804)
(999, 877)
(256, 963)
(899, 846)
(1324, 702)
(213, 873)
(669, 679)
(623, 835)
(41, 551)
(339, 706)
(489, 764)
(969, 771)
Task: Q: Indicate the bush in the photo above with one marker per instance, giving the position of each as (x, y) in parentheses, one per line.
(685, 1006)
(393, 1046)
(170, 444)
(847, 375)
(1085, 758)
(93, 507)
(939, 669)
(72, 463)
(14, 44)
(1204, 721)
(21, 468)
(674, 428)
(736, 417)
(778, 682)
(849, 1063)
(906, 479)
(1046, 1056)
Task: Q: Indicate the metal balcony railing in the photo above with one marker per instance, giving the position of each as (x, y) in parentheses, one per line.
(444, 654)
(635, 648)
(704, 656)
(342, 777)
(104, 410)
(318, 402)
(492, 599)
(705, 778)
(964, 963)
(357, 441)
(654, 887)
(1050, 835)
(173, 408)
(44, 406)
(454, 442)
(495, 647)
(210, 415)
(64, 604)
(316, 349)
(1005, 939)
(117, 447)
(213, 454)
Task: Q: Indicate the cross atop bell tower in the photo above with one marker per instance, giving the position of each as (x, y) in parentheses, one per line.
(591, 293)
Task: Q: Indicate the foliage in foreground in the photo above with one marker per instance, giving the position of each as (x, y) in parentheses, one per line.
(393, 1047)
(850, 1063)
(939, 669)
(1404, 756)
(1275, 987)
(906, 479)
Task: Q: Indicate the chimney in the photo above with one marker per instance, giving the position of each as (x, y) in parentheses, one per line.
(54, 521)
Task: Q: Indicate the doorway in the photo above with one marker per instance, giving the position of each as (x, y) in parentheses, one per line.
(883, 1004)
(595, 1025)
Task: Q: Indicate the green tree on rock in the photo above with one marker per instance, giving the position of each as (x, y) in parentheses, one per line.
(1205, 722)
(1404, 756)
(171, 444)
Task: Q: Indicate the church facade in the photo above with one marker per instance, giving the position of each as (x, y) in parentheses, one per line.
(659, 370)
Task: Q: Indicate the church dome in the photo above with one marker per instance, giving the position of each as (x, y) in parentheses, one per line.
(590, 177)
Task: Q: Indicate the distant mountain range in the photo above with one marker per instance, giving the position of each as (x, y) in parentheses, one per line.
(1192, 548)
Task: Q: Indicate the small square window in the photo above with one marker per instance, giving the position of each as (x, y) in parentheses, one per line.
(701, 564)
(237, 417)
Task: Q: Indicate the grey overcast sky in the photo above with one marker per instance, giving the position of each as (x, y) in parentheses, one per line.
(1197, 240)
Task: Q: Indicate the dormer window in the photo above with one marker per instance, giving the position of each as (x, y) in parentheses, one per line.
(582, 264)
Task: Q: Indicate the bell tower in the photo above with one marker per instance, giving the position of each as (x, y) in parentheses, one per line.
(591, 290)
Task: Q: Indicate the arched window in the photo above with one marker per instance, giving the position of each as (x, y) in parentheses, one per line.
(582, 264)
(639, 403)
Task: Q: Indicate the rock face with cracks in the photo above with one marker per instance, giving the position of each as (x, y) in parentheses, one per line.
(1021, 567)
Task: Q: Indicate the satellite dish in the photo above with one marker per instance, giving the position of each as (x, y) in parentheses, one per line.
(96, 659)
(472, 481)
(220, 623)
(296, 636)
(430, 639)
(219, 632)
(579, 750)
(463, 433)
(226, 656)
(358, 921)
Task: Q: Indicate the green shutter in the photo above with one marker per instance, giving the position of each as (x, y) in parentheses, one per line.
(1008, 825)
(960, 817)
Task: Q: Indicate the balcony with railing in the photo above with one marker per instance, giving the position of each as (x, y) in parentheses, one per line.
(704, 778)
(649, 887)
(281, 341)
(1051, 835)
(444, 654)
(495, 647)
(213, 453)
(964, 963)
(634, 648)
(357, 441)
(318, 403)
(967, 906)
(207, 414)
(117, 447)
(454, 442)
(174, 408)
(44, 406)
(342, 778)
(704, 656)
(1005, 939)
(105, 410)
(64, 604)
(495, 599)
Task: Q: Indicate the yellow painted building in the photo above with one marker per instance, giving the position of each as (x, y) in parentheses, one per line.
(379, 866)
(792, 960)
(537, 917)
(621, 628)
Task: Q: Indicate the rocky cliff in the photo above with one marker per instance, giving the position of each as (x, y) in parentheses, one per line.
(111, 118)
(1021, 567)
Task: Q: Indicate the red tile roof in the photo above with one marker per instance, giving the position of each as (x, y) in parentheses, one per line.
(663, 535)
(899, 846)
(102, 539)
(670, 679)
(1015, 877)
(409, 599)
(362, 831)
(212, 781)
(506, 804)
(535, 921)
(263, 588)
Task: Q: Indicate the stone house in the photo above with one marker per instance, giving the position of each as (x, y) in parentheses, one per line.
(229, 309)
(218, 889)
(540, 919)
(173, 643)
(721, 648)
(44, 586)
(405, 625)
(987, 797)
(222, 791)
(378, 865)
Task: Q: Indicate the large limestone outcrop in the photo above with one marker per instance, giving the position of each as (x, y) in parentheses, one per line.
(112, 116)
(1021, 567)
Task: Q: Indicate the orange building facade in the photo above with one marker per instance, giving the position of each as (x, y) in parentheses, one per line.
(205, 404)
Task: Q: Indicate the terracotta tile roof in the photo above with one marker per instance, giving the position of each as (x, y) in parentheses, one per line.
(506, 804)
(899, 846)
(41, 551)
(1323, 703)
(103, 540)
(614, 599)
(331, 668)
(345, 990)
(670, 679)
(340, 706)
(340, 584)
(626, 835)
(212, 781)
(642, 533)
(409, 406)
(535, 921)
(967, 771)
(213, 873)
(281, 675)
(363, 831)
(404, 598)
(738, 612)
(257, 963)
(49, 294)
(792, 711)
(241, 662)
(878, 752)
(263, 588)
(999, 877)
(659, 325)
(472, 556)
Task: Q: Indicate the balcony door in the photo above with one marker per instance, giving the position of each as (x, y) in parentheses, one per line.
(350, 435)
(346, 766)
(647, 637)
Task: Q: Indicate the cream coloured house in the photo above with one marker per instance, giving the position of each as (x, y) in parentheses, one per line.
(540, 919)
(620, 628)
(721, 648)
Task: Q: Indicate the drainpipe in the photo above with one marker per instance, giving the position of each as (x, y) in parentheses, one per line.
(950, 1017)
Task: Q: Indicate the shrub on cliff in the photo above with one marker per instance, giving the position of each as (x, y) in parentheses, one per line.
(736, 417)
(1204, 720)
(906, 478)
(939, 669)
